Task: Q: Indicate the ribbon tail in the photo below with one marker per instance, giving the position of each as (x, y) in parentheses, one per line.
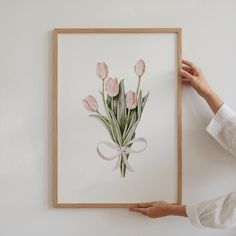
(117, 163)
(128, 166)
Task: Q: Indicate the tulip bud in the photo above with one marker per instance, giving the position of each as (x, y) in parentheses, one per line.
(112, 87)
(90, 103)
(139, 68)
(131, 100)
(102, 70)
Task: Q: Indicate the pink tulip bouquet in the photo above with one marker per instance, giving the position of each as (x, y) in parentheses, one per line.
(123, 114)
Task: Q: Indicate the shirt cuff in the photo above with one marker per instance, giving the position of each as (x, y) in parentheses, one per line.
(219, 120)
(193, 215)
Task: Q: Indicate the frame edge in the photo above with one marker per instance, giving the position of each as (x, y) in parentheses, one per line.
(179, 108)
(56, 31)
(55, 118)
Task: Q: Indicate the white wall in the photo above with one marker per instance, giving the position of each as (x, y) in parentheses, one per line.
(209, 36)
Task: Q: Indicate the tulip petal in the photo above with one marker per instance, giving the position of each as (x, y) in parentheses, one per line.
(90, 103)
(112, 87)
(139, 68)
(86, 105)
(131, 100)
(102, 70)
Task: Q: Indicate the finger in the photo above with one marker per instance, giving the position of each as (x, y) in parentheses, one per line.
(188, 69)
(140, 210)
(186, 75)
(190, 64)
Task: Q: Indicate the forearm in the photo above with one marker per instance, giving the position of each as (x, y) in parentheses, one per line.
(178, 210)
(214, 101)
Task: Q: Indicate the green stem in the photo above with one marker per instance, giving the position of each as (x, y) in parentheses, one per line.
(104, 99)
(102, 118)
(139, 80)
(126, 125)
(123, 168)
(112, 104)
(106, 108)
(108, 124)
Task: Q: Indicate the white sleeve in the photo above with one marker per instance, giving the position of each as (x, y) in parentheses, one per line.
(223, 128)
(217, 213)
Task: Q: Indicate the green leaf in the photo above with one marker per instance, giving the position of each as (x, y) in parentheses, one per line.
(132, 121)
(115, 127)
(144, 100)
(131, 133)
(132, 127)
(121, 106)
(118, 112)
(115, 106)
(104, 120)
(139, 106)
(108, 101)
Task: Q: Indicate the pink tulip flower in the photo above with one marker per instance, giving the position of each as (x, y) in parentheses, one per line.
(139, 68)
(102, 70)
(90, 103)
(131, 100)
(112, 87)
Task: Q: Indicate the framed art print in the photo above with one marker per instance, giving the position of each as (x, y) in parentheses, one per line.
(117, 116)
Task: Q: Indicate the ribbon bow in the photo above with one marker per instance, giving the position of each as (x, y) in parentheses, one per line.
(120, 151)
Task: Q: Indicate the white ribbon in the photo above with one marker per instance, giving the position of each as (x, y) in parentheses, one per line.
(120, 151)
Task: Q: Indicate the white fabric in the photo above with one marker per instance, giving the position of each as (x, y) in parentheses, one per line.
(219, 212)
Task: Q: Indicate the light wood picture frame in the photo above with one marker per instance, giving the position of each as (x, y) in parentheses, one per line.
(63, 49)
